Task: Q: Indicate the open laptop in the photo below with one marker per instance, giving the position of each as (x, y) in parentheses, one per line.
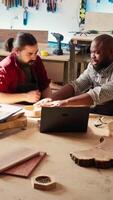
(64, 119)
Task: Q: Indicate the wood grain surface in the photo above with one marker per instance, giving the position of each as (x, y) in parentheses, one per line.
(100, 156)
(25, 169)
(20, 122)
(16, 155)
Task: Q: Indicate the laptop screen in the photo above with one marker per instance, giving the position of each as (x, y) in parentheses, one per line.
(64, 119)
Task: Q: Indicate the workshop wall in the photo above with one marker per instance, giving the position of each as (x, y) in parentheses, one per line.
(100, 6)
(103, 6)
(64, 20)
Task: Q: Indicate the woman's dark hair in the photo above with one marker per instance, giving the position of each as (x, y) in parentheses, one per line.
(22, 39)
(9, 44)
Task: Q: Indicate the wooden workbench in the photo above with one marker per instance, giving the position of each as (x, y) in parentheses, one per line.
(86, 38)
(95, 21)
(73, 182)
(57, 66)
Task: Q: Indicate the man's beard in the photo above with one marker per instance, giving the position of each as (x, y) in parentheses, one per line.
(31, 62)
(26, 63)
(102, 65)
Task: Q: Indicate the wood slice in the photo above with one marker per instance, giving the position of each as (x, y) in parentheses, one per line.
(100, 156)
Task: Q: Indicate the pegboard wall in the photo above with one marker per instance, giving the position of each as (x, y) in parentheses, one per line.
(63, 19)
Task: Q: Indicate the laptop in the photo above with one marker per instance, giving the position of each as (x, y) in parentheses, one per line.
(64, 119)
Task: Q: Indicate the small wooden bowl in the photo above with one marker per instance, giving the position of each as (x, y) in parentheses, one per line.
(31, 111)
(43, 182)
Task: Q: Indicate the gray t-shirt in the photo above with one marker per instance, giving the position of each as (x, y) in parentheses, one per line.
(99, 85)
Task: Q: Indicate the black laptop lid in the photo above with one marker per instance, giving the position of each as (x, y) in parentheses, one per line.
(64, 119)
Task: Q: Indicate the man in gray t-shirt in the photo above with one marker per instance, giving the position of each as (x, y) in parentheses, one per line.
(94, 87)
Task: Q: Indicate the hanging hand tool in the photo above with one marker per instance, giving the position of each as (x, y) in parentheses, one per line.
(30, 3)
(48, 5)
(23, 3)
(25, 16)
(37, 4)
(34, 2)
(53, 5)
(16, 3)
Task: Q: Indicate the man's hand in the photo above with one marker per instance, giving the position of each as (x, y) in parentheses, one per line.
(47, 102)
(42, 102)
(59, 103)
(32, 96)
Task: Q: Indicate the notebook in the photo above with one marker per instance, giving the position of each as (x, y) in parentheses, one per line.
(7, 110)
(64, 119)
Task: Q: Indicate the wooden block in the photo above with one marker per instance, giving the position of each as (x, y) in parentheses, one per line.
(25, 169)
(16, 155)
(17, 123)
(43, 182)
(100, 156)
(31, 111)
(16, 115)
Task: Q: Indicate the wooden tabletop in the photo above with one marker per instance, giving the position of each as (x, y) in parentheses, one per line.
(52, 57)
(60, 58)
(73, 182)
(86, 37)
(83, 37)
